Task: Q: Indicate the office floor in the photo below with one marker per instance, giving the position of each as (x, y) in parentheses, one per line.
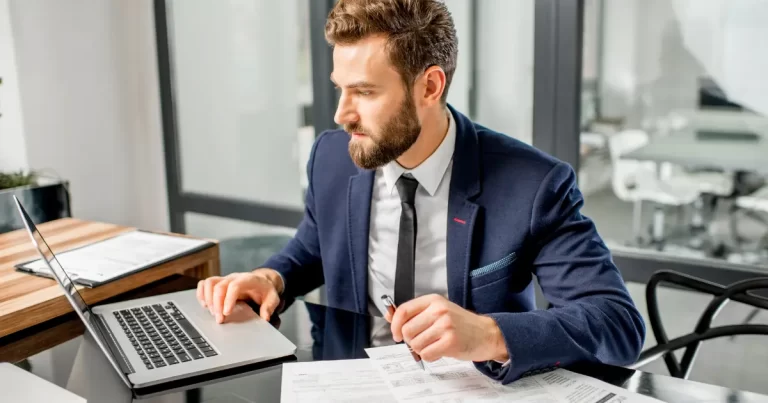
(613, 219)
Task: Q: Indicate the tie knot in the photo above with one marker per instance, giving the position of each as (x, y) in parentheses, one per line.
(407, 186)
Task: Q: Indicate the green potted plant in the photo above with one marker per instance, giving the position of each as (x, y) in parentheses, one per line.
(11, 180)
(45, 199)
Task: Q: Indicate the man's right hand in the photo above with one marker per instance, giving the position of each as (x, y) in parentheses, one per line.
(219, 294)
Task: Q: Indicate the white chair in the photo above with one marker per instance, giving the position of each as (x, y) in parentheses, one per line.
(638, 181)
(757, 201)
(751, 206)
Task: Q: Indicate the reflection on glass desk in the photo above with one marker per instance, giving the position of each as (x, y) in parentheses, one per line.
(323, 333)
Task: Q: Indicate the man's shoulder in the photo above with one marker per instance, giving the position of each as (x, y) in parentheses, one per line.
(505, 152)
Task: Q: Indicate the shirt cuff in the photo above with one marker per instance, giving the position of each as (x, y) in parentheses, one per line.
(282, 278)
(505, 364)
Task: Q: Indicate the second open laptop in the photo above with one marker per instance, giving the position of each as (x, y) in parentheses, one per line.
(151, 341)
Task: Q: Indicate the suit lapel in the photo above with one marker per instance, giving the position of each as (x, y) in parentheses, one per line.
(359, 213)
(462, 212)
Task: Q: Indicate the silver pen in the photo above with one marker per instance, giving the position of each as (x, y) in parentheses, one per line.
(390, 304)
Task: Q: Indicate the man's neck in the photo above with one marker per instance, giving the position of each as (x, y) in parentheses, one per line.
(433, 131)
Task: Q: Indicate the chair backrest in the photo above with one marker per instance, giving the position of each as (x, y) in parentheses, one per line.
(625, 172)
(739, 291)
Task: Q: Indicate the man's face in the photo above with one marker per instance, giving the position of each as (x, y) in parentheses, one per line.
(375, 108)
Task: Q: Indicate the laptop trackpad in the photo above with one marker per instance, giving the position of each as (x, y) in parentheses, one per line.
(241, 313)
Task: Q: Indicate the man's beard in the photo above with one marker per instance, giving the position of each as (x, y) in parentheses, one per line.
(395, 138)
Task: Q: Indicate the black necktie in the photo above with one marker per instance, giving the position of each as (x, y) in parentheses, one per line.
(406, 245)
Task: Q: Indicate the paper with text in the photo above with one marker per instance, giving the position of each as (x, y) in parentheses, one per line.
(451, 381)
(114, 257)
(577, 388)
(339, 381)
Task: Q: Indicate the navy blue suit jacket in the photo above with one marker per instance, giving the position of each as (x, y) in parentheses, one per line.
(513, 213)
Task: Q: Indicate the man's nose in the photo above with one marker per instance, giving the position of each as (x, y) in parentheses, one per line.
(345, 113)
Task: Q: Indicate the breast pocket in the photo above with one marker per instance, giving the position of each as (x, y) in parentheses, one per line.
(494, 286)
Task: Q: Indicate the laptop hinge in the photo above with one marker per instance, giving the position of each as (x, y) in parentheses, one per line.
(113, 346)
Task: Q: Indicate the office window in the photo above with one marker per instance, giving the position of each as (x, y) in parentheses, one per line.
(242, 84)
(674, 129)
(493, 83)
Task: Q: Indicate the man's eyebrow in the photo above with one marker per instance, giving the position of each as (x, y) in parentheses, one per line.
(357, 84)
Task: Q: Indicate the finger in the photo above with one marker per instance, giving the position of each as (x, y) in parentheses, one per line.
(233, 294)
(219, 292)
(418, 324)
(406, 311)
(200, 293)
(436, 350)
(425, 339)
(388, 317)
(269, 304)
(208, 291)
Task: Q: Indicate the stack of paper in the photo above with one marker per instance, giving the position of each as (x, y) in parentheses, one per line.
(391, 375)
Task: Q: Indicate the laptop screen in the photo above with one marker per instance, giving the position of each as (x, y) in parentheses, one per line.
(70, 290)
(53, 263)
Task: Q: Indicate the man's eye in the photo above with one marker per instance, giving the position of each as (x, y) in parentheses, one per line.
(364, 93)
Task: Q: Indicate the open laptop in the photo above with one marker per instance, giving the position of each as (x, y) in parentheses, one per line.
(169, 337)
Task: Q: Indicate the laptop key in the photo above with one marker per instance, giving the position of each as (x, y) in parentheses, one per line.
(210, 353)
(188, 328)
(206, 349)
(184, 358)
(195, 354)
(160, 364)
(172, 360)
(198, 340)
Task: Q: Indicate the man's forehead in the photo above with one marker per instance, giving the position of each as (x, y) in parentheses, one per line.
(364, 60)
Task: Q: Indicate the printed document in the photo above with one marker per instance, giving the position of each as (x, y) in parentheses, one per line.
(115, 257)
(450, 380)
(333, 381)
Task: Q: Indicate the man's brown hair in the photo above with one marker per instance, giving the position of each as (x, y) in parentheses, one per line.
(420, 33)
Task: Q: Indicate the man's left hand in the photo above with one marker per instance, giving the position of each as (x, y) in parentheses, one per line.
(435, 327)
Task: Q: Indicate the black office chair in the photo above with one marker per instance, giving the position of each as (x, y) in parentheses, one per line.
(739, 291)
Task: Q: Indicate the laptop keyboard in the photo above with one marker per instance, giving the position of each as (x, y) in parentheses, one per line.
(162, 335)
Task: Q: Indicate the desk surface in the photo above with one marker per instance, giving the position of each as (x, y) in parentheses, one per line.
(27, 300)
(322, 333)
(685, 149)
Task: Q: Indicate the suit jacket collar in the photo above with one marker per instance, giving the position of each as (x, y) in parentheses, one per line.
(465, 185)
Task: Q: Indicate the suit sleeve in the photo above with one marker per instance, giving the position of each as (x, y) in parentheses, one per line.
(592, 317)
(299, 262)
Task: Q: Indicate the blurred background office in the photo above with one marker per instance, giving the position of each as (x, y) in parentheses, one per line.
(198, 116)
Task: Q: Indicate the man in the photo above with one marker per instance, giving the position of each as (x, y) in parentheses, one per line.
(453, 219)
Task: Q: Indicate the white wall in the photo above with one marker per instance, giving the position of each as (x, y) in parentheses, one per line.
(88, 76)
(13, 152)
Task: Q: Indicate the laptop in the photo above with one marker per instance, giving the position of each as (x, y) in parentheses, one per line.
(170, 337)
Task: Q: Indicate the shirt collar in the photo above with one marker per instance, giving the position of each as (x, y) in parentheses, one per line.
(430, 172)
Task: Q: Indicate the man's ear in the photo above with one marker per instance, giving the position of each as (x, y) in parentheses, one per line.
(433, 84)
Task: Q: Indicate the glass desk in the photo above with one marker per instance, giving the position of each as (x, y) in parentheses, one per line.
(320, 333)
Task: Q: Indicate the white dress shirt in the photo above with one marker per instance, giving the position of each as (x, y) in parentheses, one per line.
(431, 203)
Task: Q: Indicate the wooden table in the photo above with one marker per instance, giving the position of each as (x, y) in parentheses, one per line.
(27, 300)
